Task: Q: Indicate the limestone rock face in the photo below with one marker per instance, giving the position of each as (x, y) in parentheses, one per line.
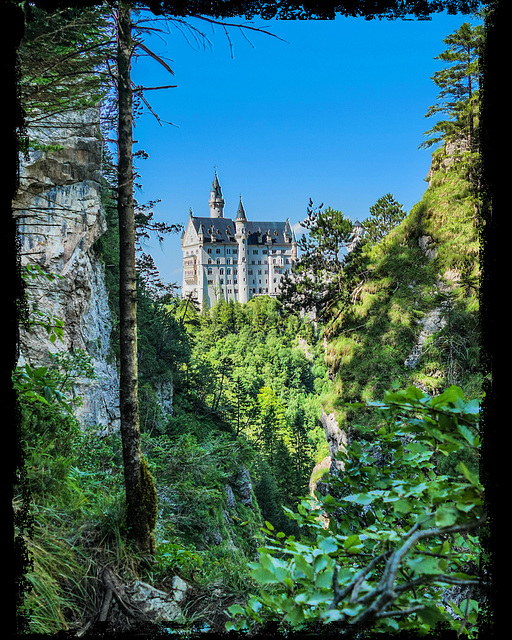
(244, 487)
(336, 438)
(430, 323)
(60, 217)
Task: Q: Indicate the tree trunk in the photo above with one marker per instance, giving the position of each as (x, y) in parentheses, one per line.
(139, 485)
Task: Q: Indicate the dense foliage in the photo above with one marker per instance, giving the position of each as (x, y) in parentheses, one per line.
(379, 550)
(247, 372)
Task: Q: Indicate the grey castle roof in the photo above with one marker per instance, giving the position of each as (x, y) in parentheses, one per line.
(224, 229)
(216, 186)
(240, 215)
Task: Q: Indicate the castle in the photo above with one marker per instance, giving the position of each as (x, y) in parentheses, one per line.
(225, 259)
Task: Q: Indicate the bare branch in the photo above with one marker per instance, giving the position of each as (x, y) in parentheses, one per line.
(157, 117)
(153, 55)
(140, 89)
(238, 26)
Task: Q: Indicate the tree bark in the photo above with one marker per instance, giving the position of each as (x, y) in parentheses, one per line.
(139, 486)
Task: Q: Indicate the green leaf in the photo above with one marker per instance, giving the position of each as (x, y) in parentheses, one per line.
(469, 475)
(431, 616)
(425, 565)
(360, 498)
(324, 579)
(351, 541)
(402, 506)
(263, 576)
(320, 563)
(236, 608)
(446, 515)
(469, 437)
(303, 566)
(328, 544)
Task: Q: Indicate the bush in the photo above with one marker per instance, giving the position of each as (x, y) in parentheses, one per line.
(378, 550)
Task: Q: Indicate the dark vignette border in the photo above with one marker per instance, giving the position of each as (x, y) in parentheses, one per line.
(494, 245)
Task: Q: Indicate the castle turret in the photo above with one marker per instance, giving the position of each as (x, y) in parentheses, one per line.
(241, 238)
(293, 255)
(216, 201)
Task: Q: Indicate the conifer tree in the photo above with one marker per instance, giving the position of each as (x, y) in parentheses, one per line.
(316, 282)
(459, 86)
(384, 216)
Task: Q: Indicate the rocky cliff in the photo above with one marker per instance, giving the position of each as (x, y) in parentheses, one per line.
(60, 217)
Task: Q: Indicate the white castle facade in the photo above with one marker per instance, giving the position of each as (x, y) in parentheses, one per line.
(226, 259)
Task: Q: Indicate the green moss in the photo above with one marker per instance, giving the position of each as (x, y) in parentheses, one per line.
(149, 500)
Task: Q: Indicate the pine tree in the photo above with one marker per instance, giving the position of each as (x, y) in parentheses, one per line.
(385, 215)
(459, 86)
(316, 282)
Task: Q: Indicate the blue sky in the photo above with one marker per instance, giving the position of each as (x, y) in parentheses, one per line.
(335, 114)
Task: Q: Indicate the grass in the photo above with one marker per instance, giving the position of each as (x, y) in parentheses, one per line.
(368, 346)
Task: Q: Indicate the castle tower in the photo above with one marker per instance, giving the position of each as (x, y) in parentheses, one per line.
(241, 238)
(293, 255)
(216, 201)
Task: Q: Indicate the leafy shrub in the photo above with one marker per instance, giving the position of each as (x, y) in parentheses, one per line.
(377, 551)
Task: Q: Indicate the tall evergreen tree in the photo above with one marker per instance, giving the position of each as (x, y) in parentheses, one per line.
(459, 86)
(316, 281)
(141, 499)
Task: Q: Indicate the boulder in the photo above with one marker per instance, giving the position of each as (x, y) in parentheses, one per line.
(158, 606)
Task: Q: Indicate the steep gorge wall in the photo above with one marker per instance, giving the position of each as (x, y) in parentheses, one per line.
(60, 217)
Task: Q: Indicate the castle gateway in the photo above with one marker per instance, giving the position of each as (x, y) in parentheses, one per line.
(225, 259)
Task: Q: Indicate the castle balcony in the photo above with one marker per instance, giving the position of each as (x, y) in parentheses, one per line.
(190, 269)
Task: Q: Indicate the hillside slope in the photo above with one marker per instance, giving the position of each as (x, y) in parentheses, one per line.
(414, 315)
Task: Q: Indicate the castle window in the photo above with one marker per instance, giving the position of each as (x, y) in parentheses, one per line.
(235, 250)
(209, 250)
(218, 260)
(228, 270)
(222, 271)
(228, 260)
(250, 272)
(217, 250)
(221, 281)
(210, 271)
(209, 260)
(264, 251)
(255, 251)
(228, 250)
(210, 281)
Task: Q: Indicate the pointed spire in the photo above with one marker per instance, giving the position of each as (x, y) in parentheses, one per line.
(216, 201)
(240, 215)
(216, 186)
